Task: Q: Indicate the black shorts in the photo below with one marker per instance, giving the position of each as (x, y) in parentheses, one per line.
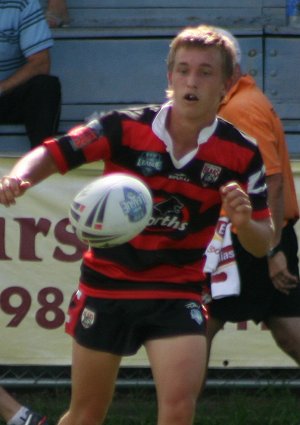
(259, 299)
(122, 326)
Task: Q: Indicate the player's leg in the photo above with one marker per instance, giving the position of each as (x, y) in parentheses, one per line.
(179, 369)
(286, 333)
(93, 381)
(214, 325)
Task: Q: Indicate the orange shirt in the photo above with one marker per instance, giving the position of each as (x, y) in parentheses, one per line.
(246, 106)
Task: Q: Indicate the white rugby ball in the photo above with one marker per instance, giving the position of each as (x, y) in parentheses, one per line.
(111, 210)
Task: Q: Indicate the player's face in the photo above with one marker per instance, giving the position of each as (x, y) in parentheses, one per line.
(197, 81)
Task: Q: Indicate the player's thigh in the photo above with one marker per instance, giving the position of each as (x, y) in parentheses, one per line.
(178, 365)
(213, 325)
(94, 375)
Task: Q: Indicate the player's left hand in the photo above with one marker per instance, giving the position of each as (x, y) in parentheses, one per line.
(282, 279)
(236, 204)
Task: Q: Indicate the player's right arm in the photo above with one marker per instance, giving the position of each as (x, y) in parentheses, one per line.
(31, 169)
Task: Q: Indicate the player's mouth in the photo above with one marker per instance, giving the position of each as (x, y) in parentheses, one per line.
(191, 97)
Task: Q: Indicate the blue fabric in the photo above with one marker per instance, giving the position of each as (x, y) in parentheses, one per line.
(23, 32)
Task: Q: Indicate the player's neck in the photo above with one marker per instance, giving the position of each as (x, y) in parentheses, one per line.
(184, 133)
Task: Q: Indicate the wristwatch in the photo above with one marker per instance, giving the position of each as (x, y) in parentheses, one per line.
(273, 251)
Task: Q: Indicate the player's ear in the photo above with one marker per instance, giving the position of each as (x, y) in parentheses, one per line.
(226, 87)
(170, 78)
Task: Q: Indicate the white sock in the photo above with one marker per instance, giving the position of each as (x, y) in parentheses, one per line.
(20, 417)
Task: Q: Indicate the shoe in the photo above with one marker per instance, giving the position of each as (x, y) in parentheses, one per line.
(36, 419)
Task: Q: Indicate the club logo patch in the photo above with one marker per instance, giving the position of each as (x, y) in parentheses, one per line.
(88, 318)
(195, 312)
(210, 174)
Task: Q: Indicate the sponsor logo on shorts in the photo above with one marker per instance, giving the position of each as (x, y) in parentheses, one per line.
(195, 312)
(88, 318)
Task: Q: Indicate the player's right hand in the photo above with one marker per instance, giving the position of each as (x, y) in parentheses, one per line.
(11, 188)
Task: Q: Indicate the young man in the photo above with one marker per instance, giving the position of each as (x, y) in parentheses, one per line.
(273, 295)
(28, 94)
(149, 291)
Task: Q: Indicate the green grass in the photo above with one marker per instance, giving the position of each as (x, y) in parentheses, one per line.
(267, 406)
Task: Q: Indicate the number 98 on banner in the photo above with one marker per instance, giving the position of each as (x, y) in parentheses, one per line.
(16, 302)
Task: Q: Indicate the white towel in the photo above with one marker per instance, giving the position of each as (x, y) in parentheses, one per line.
(220, 262)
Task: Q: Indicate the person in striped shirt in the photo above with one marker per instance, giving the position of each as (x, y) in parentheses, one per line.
(29, 95)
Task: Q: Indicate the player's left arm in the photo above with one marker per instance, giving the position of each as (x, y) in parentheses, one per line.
(255, 236)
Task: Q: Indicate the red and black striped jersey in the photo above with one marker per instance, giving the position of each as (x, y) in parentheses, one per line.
(166, 259)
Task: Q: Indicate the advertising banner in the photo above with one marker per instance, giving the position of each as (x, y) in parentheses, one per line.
(40, 262)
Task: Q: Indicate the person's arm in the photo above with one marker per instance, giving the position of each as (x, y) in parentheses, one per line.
(276, 204)
(282, 279)
(255, 236)
(31, 169)
(38, 63)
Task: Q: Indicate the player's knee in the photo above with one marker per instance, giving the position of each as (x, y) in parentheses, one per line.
(289, 344)
(178, 411)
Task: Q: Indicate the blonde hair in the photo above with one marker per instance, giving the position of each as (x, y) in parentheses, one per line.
(204, 36)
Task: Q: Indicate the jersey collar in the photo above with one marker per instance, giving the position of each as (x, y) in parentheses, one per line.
(160, 130)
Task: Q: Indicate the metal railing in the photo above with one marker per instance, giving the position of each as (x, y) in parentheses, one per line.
(217, 378)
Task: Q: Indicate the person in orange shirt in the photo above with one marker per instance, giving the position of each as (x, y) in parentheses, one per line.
(272, 295)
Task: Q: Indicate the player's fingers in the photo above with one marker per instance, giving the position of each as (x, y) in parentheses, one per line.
(283, 283)
(291, 278)
(281, 288)
(10, 188)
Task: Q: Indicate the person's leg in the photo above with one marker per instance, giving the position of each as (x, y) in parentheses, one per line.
(36, 104)
(41, 108)
(179, 369)
(8, 405)
(286, 333)
(213, 326)
(93, 381)
(10, 111)
(15, 414)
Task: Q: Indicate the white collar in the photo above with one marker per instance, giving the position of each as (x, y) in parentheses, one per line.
(160, 130)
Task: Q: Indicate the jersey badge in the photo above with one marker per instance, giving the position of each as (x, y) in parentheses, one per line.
(210, 174)
(150, 163)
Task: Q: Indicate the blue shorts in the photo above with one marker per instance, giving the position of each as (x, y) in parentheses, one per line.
(121, 327)
(259, 299)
